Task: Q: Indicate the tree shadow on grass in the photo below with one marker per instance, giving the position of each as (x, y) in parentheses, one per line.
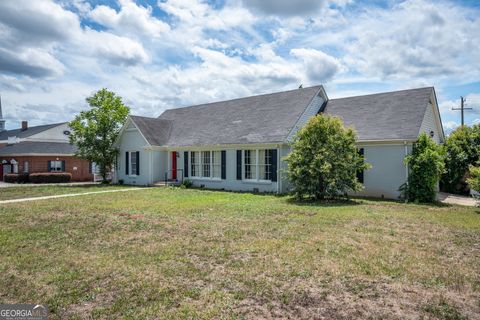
(324, 203)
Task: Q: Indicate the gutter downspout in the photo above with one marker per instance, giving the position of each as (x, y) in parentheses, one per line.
(406, 165)
(279, 178)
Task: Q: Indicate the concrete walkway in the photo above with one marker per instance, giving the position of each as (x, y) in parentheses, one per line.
(67, 184)
(456, 199)
(67, 195)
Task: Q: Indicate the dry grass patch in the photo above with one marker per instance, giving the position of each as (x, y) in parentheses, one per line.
(182, 254)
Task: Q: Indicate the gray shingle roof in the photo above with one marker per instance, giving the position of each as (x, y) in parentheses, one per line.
(155, 130)
(24, 148)
(264, 118)
(383, 116)
(27, 133)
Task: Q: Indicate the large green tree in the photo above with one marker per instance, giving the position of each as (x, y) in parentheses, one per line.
(95, 131)
(462, 148)
(324, 160)
(426, 165)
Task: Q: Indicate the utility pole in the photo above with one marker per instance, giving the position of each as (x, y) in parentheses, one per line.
(462, 109)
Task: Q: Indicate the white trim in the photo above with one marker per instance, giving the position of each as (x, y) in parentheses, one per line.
(257, 167)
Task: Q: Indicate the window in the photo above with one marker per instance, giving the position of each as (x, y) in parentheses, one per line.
(133, 163)
(206, 164)
(195, 163)
(264, 165)
(360, 173)
(217, 164)
(258, 164)
(56, 166)
(26, 167)
(250, 161)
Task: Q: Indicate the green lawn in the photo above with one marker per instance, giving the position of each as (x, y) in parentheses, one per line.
(187, 254)
(50, 190)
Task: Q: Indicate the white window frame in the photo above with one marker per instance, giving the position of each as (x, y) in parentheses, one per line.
(130, 163)
(56, 167)
(199, 158)
(257, 167)
(26, 166)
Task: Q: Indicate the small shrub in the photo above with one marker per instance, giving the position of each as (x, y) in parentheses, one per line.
(186, 184)
(50, 177)
(121, 182)
(11, 178)
(23, 178)
(324, 160)
(426, 165)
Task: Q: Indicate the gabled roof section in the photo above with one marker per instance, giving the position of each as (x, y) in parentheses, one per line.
(386, 116)
(156, 131)
(19, 133)
(266, 118)
(26, 148)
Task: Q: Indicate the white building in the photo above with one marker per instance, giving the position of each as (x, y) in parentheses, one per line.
(239, 144)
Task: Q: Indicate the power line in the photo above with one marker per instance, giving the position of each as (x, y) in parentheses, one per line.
(462, 109)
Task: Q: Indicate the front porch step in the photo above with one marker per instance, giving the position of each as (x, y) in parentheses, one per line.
(164, 183)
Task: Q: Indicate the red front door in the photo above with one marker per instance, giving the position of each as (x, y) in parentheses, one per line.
(174, 165)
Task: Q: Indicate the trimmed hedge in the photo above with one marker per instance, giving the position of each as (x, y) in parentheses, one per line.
(50, 177)
(11, 177)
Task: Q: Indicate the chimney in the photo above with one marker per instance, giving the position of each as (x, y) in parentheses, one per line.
(24, 125)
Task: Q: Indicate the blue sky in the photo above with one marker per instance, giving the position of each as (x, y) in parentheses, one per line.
(170, 53)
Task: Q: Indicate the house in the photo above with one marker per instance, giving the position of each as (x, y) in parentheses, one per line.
(239, 144)
(43, 148)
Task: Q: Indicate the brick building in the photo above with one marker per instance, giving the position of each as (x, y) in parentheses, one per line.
(43, 148)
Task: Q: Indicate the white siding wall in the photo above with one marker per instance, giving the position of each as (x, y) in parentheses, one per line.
(54, 134)
(388, 170)
(429, 124)
(132, 141)
(231, 182)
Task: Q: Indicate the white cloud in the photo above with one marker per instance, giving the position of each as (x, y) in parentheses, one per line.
(285, 7)
(319, 66)
(449, 126)
(132, 19)
(115, 49)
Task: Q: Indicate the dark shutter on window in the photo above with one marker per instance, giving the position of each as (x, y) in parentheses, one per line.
(49, 166)
(90, 164)
(273, 157)
(360, 176)
(126, 163)
(185, 164)
(63, 166)
(239, 164)
(138, 163)
(224, 165)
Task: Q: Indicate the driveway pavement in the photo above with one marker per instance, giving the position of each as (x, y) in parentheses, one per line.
(456, 199)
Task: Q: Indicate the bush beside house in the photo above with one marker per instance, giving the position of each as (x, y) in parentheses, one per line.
(50, 177)
(324, 160)
(426, 165)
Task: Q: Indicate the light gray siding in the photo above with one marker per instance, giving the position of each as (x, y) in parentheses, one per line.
(429, 124)
(312, 110)
(231, 182)
(388, 170)
(133, 141)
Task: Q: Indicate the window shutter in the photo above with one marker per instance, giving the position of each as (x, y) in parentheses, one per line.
(63, 166)
(224, 165)
(90, 164)
(273, 157)
(239, 164)
(126, 163)
(185, 164)
(138, 163)
(360, 173)
(49, 166)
